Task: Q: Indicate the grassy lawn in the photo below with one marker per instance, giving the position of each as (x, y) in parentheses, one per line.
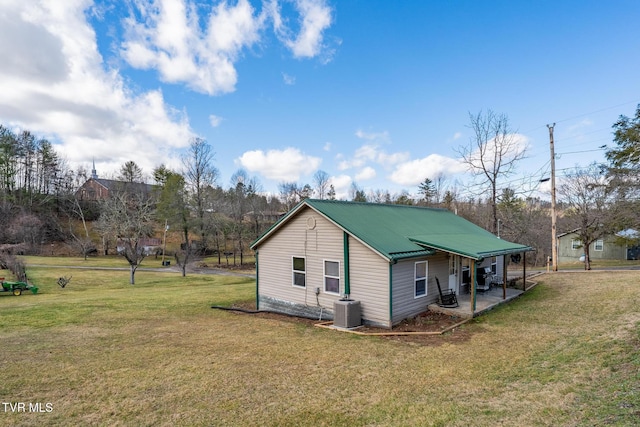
(109, 261)
(118, 261)
(102, 352)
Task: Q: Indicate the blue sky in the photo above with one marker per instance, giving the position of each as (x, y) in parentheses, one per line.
(372, 92)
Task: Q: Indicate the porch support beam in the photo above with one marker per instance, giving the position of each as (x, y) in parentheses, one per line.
(524, 271)
(473, 286)
(504, 277)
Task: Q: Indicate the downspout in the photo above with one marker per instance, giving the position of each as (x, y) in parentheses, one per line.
(257, 275)
(391, 292)
(347, 285)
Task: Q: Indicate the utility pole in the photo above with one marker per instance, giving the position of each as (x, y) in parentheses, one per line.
(554, 237)
(164, 239)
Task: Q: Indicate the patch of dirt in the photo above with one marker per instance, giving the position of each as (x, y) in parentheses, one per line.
(428, 321)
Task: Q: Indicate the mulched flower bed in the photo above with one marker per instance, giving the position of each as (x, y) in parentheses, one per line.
(427, 321)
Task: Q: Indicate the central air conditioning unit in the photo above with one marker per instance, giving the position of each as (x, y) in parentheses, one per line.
(346, 313)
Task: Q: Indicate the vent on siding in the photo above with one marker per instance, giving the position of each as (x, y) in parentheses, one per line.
(346, 314)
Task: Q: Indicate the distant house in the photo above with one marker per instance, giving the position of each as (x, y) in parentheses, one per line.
(148, 245)
(617, 246)
(387, 257)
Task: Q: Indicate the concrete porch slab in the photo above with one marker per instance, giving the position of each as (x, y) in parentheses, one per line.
(485, 301)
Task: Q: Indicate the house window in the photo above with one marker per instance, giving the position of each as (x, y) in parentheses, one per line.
(598, 245)
(494, 264)
(332, 277)
(299, 272)
(453, 265)
(576, 244)
(420, 281)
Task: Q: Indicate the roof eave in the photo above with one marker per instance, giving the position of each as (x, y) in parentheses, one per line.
(475, 256)
(407, 255)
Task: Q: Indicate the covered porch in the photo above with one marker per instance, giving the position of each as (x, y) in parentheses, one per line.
(485, 301)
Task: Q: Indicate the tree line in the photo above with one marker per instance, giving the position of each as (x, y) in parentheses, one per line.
(39, 202)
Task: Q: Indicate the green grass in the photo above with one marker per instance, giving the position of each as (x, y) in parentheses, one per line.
(115, 261)
(104, 352)
(110, 261)
(602, 263)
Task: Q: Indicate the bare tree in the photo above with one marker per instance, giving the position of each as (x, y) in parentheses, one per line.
(492, 154)
(321, 181)
(130, 217)
(83, 241)
(291, 193)
(356, 193)
(588, 206)
(200, 174)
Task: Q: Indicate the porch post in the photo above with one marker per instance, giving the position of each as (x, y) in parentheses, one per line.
(504, 277)
(473, 287)
(524, 271)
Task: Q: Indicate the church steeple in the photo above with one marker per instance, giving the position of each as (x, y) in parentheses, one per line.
(94, 174)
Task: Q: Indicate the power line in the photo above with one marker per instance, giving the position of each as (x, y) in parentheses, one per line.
(585, 114)
(597, 111)
(583, 151)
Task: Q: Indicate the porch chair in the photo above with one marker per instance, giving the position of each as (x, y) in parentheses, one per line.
(448, 298)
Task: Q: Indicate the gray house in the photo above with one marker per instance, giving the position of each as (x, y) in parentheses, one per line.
(619, 246)
(386, 257)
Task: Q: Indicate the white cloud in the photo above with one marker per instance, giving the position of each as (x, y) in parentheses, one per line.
(54, 83)
(391, 159)
(341, 184)
(366, 174)
(415, 171)
(214, 120)
(280, 165)
(371, 153)
(373, 136)
(288, 79)
(171, 37)
(167, 37)
(327, 146)
(457, 136)
(315, 18)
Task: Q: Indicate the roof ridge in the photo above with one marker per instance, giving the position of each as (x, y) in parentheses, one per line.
(394, 205)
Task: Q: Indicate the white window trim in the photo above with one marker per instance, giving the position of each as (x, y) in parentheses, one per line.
(494, 264)
(576, 244)
(595, 245)
(426, 279)
(325, 275)
(293, 271)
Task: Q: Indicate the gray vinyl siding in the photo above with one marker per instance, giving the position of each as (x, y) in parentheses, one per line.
(405, 304)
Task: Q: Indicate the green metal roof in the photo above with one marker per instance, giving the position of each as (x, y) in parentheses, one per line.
(398, 231)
